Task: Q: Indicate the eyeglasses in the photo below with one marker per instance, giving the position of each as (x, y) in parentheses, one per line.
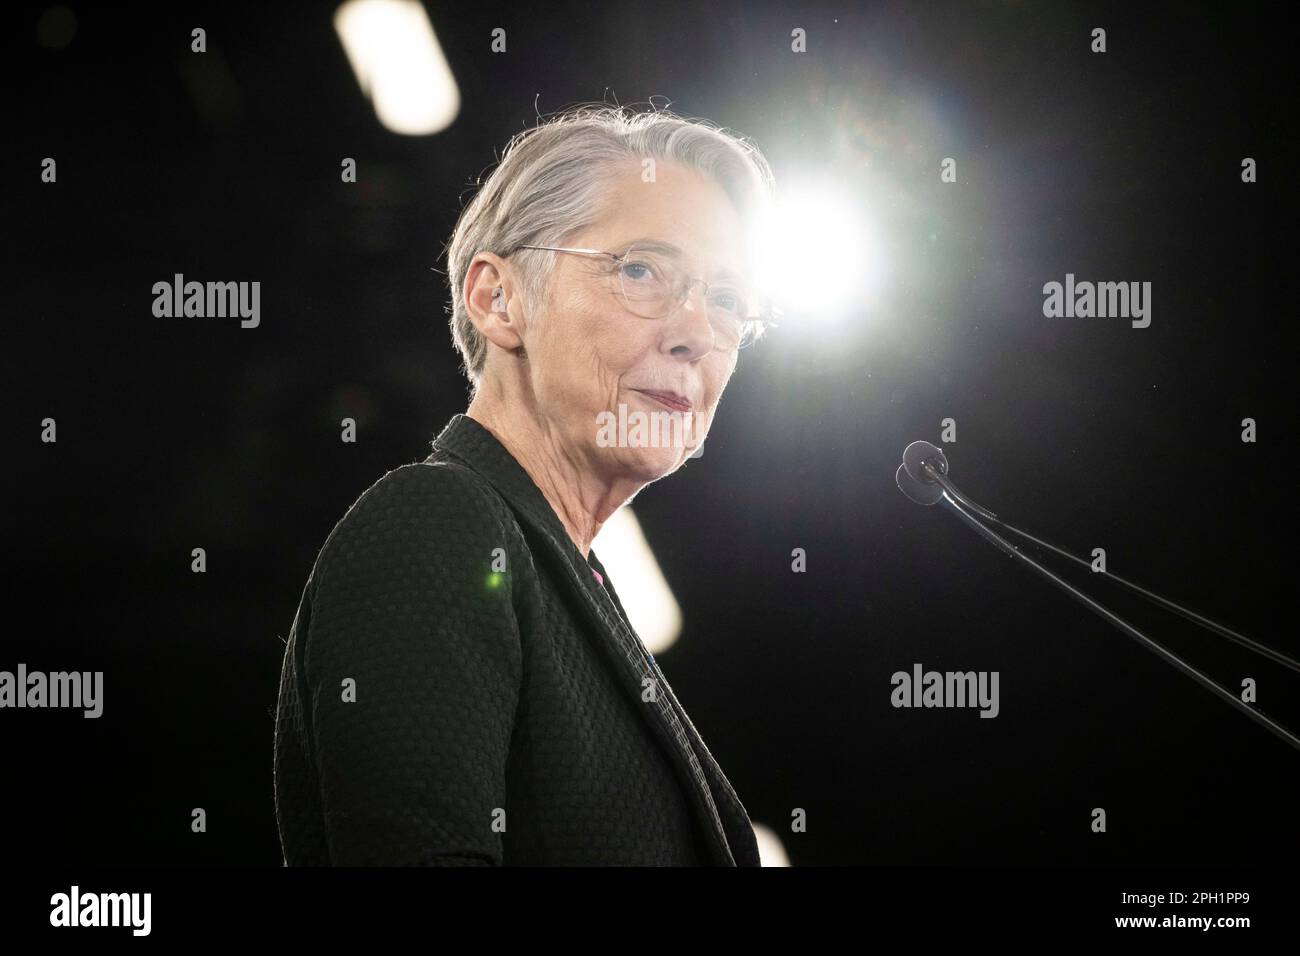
(653, 284)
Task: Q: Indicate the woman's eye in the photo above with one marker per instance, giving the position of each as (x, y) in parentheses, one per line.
(728, 301)
(637, 270)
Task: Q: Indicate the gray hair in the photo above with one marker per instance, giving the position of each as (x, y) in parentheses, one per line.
(550, 183)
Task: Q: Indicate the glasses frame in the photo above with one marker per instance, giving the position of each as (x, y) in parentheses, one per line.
(764, 321)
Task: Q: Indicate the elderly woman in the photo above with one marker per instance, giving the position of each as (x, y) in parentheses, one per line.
(461, 684)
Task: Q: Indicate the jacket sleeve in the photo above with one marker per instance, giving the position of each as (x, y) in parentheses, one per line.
(413, 668)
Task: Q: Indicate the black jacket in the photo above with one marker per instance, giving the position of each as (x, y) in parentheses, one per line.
(434, 711)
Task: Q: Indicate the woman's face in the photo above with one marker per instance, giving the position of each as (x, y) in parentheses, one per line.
(589, 353)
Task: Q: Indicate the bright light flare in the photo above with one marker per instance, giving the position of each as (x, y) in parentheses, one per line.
(816, 255)
(649, 602)
(399, 64)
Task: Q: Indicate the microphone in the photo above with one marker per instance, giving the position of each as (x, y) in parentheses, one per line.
(919, 491)
(923, 478)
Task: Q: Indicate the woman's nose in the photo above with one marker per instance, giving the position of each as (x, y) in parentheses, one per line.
(690, 328)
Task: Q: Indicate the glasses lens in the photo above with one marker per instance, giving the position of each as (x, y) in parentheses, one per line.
(653, 284)
(648, 282)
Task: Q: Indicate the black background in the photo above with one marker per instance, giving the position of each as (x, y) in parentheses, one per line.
(182, 433)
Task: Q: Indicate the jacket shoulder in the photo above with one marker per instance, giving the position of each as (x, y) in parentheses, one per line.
(423, 501)
(431, 481)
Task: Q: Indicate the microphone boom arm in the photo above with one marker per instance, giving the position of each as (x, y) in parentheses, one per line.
(954, 504)
(939, 475)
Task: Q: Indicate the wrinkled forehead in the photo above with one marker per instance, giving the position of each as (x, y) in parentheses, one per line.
(680, 214)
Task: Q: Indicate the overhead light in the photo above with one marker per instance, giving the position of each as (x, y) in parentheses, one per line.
(649, 602)
(771, 851)
(399, 64)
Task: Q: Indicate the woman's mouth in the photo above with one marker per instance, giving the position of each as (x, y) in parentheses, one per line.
(671, 400)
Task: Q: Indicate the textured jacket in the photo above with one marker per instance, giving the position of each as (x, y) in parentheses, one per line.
(460, 687)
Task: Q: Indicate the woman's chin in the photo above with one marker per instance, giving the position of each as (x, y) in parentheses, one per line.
(651, 464)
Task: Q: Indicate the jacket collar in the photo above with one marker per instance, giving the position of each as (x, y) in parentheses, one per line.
(719, 810)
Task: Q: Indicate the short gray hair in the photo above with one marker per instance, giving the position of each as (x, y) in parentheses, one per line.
(550, 181)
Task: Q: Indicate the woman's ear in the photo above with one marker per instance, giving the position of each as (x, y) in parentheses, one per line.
(491, 290)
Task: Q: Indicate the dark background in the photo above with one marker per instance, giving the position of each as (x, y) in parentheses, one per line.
(182, 433)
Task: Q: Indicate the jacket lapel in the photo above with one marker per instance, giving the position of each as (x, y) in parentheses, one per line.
(711, 795)
(738, 829)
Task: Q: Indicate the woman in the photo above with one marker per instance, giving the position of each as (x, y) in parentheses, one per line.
(461, 684)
